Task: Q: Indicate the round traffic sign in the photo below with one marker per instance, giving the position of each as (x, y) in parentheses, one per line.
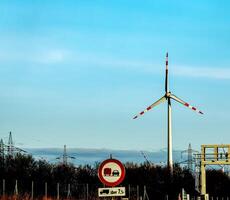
(111, 172)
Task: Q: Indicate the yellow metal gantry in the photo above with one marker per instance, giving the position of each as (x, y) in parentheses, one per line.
(212, 154)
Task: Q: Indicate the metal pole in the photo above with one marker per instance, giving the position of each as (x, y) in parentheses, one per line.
(16, 188)
(3, 187)
(145, 193)
(46, 190)
(137, 192)
(170, 159)
(87, 191)
(32, 190)
(203, 179)
(68, 193)
(129, 191)
(57, 191)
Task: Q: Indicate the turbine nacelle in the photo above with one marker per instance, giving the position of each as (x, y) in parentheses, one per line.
(167, 95)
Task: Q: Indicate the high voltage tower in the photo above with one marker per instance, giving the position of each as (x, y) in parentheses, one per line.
(9, 148)
(1, 149)
(65, 157)
(192, 158)
(190, 152)
(10, 145)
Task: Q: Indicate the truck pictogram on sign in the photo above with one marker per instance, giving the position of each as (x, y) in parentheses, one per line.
(108, 172)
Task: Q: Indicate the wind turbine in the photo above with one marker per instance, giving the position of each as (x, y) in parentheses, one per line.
(167, 97)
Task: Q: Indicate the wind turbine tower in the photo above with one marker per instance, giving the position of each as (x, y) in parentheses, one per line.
(167, 97)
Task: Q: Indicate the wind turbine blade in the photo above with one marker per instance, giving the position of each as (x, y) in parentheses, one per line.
(185, 104)
(162, 99)
(166, 74)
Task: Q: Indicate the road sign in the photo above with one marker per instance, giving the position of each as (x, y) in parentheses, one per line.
(111, 172)
(111, 192)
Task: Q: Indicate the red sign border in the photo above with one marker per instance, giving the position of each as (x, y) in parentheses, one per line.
(102, 178)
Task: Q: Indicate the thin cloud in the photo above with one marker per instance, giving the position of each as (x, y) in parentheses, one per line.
(42, 56)
(151, 67)
(52, 56)
(55, 56)
(204, 72)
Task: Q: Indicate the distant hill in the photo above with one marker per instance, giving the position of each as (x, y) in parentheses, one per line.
(90, 156)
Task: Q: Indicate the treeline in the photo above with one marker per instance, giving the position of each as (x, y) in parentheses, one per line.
(159, 183)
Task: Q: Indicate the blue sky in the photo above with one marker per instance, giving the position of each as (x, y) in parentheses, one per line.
(76, 72)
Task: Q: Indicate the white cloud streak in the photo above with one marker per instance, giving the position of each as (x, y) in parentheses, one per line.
(63, 56)
(203, 72)
(46, 57)
(221, 73)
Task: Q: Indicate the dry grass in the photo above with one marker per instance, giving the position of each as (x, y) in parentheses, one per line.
(27, 197)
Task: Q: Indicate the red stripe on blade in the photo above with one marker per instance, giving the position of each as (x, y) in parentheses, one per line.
(193, 108)
(186, 104)
(142, 113)
(149, 108)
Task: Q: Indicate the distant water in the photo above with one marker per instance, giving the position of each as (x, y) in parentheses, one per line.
(91, 156)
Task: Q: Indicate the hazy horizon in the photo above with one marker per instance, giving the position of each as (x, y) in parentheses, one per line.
(91, 156)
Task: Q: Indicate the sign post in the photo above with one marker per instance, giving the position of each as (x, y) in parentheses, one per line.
(111, 173)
